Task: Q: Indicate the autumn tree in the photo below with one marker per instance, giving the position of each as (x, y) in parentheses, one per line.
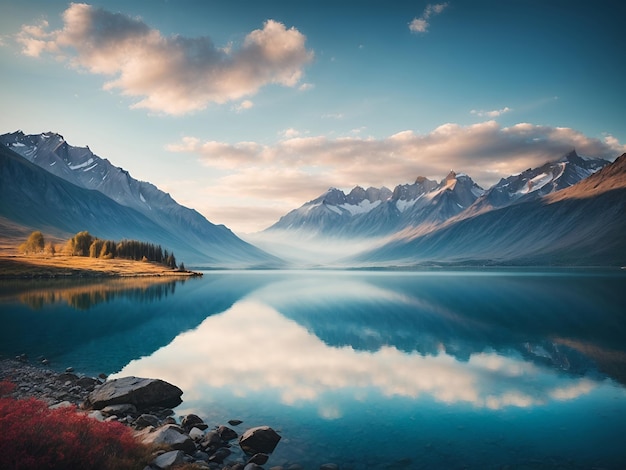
(34, 244)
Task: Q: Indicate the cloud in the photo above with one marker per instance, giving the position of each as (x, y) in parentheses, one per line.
(491, 114)
(244, 105)
(420, 25)
(173, 75)
(298, 367)
(298, 168)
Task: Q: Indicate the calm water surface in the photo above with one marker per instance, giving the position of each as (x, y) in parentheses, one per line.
(466, 369)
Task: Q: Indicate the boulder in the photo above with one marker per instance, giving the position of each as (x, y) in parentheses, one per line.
(193, 421)
(171, 436)
(259, 440)
(226, 433)
(143, 393)
(169, 460)
(259, 459)
(145, 420)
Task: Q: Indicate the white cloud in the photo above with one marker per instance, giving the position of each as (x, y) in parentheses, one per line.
(290, 133)
(298, 168)
(172, 75)
(244, 105)
(306, 87)
(491, 114)
(298, 367)
(420, 25)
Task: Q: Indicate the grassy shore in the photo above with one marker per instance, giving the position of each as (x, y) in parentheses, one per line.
(16, 266)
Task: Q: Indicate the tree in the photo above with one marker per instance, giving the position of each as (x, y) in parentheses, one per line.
(50, 249)
(34, 244)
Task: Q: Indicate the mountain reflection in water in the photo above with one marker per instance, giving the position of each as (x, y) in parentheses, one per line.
(435, 366)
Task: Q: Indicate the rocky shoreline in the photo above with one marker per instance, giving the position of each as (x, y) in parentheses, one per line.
(144, 405)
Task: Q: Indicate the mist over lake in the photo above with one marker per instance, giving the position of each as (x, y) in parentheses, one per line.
(473, 369)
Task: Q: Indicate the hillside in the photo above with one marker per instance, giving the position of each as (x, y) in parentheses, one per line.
(60, 189)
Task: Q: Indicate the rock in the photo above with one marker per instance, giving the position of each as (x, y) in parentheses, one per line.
(67, 377)
(212, 438)
(259, 459)
(261, 439)
(193, 421)
(69, 369)
(145, 420)
(196, 434)
(171, 436)
(169, 460)
(235, 422)
(329, 466)
(63, 404)
(220, 455)
(226, 434)
(87, 383)
(143, 393)
(252, 466)
(122, 409)
(97, 415)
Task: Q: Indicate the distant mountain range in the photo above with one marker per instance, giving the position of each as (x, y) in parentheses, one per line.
(49, 185)
(582, 225)
(543, 216)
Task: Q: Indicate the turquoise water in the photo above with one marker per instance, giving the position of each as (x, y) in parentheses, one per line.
(434, 369)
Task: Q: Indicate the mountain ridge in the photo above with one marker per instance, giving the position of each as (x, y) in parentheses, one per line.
(188, 231)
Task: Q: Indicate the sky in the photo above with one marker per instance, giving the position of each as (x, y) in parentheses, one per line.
(246, 110)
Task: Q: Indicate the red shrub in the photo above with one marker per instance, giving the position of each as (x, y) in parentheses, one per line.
(6, 388)
(34, 437)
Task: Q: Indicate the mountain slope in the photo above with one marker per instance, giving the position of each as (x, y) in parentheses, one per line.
(535, 183)
(206, 242)
(581, 225)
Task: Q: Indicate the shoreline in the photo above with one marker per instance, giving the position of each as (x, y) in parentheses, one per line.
(16, 267)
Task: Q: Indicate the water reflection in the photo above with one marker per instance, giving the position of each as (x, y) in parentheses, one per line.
(278, 356)
(470, 369)
(84, 294)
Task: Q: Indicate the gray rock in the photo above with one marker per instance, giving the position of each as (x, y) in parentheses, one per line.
(169, 459)
(63, 404)
(145, 420)
(235, 422)
(171, 436)
(252, 466)
(123, 409)
(220, 455)
(226, 433)
(193, 421)
(196, 434)
(259, 440)
(143, 393)
(212, 438)
(329, 466)
(97, 415)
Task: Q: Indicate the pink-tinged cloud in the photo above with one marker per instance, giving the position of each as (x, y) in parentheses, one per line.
(421, 24)
(485, 150)
(173, 75)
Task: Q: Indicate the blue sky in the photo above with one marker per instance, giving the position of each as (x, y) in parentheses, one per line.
(245, 110)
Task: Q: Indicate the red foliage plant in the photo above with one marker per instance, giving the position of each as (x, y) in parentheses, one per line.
(36, 437)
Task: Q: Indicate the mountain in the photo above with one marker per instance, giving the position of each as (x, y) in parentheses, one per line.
(536, 183)
(377, 212)
(582, 225)
(111, 204)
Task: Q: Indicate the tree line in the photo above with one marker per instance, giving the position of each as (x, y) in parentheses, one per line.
(85, 244)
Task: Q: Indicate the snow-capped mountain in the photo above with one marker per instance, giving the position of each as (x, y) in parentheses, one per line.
(81, 167)
(377, 212)
(583, 224)
(332, 210)
(535, 183)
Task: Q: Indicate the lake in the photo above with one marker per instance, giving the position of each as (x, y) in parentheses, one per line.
(472, 369)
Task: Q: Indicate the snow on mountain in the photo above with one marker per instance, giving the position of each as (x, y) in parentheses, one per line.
(535, 183)
(81, 167)
(379, 212)
(582, 225)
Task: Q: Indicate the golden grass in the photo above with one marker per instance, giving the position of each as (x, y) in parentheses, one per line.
(59, 266)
